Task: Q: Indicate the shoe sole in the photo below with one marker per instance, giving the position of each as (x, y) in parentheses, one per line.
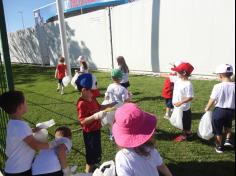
(220, 152)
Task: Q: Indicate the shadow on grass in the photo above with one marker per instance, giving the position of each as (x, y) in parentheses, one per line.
(194, 168)
(154, 98)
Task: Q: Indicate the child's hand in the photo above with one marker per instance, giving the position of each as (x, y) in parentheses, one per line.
(37, 129)
(178, 104)
(99, 115)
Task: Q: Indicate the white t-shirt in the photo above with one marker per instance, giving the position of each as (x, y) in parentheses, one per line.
(224, 95)
(47, 161)
(182, 90)
(117, 93)
(20, 154)
(83, 70)
(125, 78)
(129, 163)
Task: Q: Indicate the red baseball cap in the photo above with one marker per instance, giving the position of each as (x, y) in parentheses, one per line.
(187, 67)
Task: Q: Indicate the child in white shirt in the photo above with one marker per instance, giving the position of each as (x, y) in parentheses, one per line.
(223, 97)
(53, 162)
(125, 70)
(182, 96)
(20, 143)
(133, 130)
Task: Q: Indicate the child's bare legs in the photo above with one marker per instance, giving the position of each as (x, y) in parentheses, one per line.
(218, 140)
(62, 89)
(228, 137)
(168, 112)
(58, 87)
(89, 168)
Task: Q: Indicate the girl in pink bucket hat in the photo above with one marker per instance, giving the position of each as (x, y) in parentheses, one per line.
(133, 130)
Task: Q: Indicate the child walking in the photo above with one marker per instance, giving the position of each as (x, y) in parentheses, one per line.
(83, 65)
(223, 97)
(182, 96)
(60, 73)
(125, 70)
(20, 143)
(167, 91)
(90, 114)
(53, 162)
(133, 131)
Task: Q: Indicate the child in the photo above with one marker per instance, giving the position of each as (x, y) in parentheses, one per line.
(125, 70)
(20, 143)
(60, 73)
(167, 92)
(115, 92)
(53, 162)
(223, 97)
(133, 130)
(90, 114)
(182, 96)
(83, 65)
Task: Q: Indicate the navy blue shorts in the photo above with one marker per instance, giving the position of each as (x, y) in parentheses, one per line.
(59, 173)
(60, 81)
(169, 103)
(187, 120)
(26, 173)
(92, 141)
(222, 118)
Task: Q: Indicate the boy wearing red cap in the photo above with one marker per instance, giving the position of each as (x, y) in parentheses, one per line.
(182, 96)
(223, 97)
(90, 114)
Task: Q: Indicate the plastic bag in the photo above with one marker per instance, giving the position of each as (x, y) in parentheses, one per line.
(46, 125)
(205, 129)
(41, 135)
(66, 81)
(75, 77)
(106, 169)
(176, 118)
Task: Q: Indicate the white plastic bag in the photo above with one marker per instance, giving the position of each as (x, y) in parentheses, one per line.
(205, 129)
(46, 125)
(41, 135)
(66, 81)
(176, 118)
(75, 77)
(106, 169)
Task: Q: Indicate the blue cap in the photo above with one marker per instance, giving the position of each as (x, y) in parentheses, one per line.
(85, 81)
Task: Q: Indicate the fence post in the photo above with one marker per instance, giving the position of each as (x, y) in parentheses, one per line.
(111, 39)
(5, 48)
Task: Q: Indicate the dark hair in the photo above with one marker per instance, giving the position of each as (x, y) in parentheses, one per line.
(228, 75)
(11, 100)
(85, 65)
(184, 73)
(62, 59)
(143, 149)
(65, 131)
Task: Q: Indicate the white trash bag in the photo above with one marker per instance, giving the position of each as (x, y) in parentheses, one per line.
(106, 169)
(205, 129)
(176, 118)
(46, 125)
(41, 136)
(75, 77)
(66, 81)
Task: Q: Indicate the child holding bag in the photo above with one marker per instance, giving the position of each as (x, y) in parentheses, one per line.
(223, 97)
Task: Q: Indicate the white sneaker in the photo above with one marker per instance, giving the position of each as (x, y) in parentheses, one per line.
(62, 93)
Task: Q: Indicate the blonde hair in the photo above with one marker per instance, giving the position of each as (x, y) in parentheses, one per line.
(123, 66)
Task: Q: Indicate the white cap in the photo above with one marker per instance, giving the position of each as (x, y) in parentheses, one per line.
(224, 68)
(81, 58)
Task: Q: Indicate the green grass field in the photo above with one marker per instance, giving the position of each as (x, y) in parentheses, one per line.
(191, 158)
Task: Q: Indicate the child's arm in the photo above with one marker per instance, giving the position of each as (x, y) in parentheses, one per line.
(61, 153)
(210, 104)
(97, 116)
(164, 170)
(56, 73)
(103, 107)
(164, 75)
(36, 145)
(186, 100)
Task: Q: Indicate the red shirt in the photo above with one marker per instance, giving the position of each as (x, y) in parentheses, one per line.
(61, 71)
(86, 109)
(168, 88)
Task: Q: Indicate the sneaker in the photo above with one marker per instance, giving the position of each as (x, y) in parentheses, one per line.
(180, 138)
(228, 143)
(62, 93)
(111, 137)
(219, 149)
(58, 89)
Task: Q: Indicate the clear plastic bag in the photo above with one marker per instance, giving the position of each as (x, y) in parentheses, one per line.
(176, 118)
(205, 129)
(66, 81)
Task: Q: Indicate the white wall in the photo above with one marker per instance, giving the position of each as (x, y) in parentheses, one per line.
(199, 31)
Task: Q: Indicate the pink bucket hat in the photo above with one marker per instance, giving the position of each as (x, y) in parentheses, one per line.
(133, 127)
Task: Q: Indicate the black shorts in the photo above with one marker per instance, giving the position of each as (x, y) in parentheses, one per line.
(92, 141)
(59, 173)
(125, 85)
(60, 81)
(187, 120)
(26, 173)
(169, 103)
(222, 118)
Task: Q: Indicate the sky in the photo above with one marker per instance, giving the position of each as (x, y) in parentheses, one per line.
(13, 17)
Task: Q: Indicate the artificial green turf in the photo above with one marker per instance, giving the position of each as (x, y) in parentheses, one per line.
(192, 158)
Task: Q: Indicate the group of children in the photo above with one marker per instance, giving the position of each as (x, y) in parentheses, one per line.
(132, 128)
